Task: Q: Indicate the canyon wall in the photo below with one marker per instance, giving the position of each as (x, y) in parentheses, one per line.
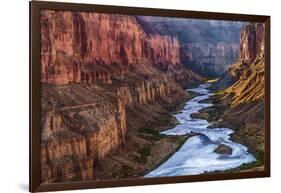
(77, 47)
(251, 42)
(209, 59)
(248, 71)
(76, 134)
(244, 91)
(207, 47)
(239, 100)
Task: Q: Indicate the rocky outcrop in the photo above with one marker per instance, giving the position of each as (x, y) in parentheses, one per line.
(143, 92)
(77, 47)
(251, 42)
(248, 43)
(84, 131)
(162, 51)
(63, 152)
(75, 134)
(260, 39)
(248, 71)
(223, 149)
(250, 65)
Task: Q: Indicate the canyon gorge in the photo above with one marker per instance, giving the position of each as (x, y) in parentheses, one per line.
(239, 94)
(207, 47)
(109, 85)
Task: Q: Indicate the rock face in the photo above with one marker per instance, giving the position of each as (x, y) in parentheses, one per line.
(207, 47)
(251, 42)
(209, 59)
(248, 72)
(77, 47)
(74, 136)
(248, 43)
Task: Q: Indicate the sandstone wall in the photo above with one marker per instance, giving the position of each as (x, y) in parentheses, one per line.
(74, 137)
(144, 91)
(76, 134)
(79, 47)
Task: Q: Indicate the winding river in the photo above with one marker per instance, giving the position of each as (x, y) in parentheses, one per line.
(197, 156)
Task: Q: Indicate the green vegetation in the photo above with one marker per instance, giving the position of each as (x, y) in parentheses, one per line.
(179, 140)
(259, 162)
(211, 113)
(214, 112)
(144, 153)
(147, 131)
(150, 134)
(164, 119)
(249, 165)
(123, 172)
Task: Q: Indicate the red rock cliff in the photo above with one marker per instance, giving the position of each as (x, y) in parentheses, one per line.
(251, 42)
(80, 132)
(91, 46)
(248, 72)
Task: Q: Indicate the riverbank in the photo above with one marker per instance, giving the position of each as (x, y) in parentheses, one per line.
(242, 120)
(145, 148)
(207, 150)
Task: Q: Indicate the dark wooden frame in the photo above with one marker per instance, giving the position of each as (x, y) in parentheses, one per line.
(34, 99)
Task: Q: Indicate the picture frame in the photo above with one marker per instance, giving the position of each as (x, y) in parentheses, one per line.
(35, 7)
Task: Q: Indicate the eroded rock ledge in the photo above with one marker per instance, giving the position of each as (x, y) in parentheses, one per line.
(83, 123)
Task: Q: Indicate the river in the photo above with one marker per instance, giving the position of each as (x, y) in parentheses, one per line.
(197, 156)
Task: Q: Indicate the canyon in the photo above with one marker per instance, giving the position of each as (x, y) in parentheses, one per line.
(109, 83)
(248, 91)
(95, 68)
(240, 93)
(86, 47)
(207, 47)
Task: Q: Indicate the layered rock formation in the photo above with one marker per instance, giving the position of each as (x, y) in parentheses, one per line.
(75, 133)
(243, 94)
(81, 123)
(207, 47)
(209, 59)
(77, 47)
(248, 71)
(252, 42)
